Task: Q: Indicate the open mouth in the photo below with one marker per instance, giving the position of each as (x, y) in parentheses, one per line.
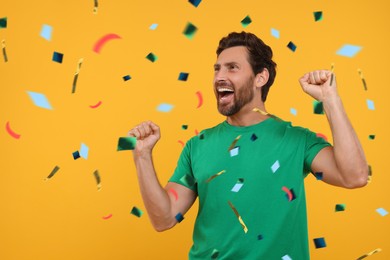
(225, 94)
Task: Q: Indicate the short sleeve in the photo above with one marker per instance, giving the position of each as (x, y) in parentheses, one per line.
(314, 145)
(183, 173)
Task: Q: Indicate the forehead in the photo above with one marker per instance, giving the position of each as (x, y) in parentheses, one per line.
(233, 54)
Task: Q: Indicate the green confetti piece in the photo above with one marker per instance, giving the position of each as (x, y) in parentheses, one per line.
(340, 207)
(126, 143)
(3, 22)
(318, 16)
(136, 212)
(371, 137)
(152, 57)
(215, 254)
(318, 107)
(190, 31)
(188, 180)
(184, 127)
(246, 21)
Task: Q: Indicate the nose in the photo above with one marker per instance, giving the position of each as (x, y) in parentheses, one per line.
(220, 75)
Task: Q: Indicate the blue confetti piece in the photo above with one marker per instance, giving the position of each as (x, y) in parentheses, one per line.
(46, 32)
(348, 50)
(76, 155)
(153, 26)
(39, 100)
(382, 212)
(179, 217)
(319, 242)
(275, 166)
(3, 22)
(293, 111)
(253, 137)
(57, 57)
(84, 151)
(195, 2)
(183, 76)
(237, 187)
(126, 78)
(234, 151)
(291, 46)
(164, 107)
(370, 104)
(286, 257)
(275, 33)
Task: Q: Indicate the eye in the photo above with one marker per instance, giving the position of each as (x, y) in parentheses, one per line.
(216, 68)
(232, 66)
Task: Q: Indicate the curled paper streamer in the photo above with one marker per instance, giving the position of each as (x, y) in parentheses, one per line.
(98, 180)
(54, 171)
(4, 51)
(239, 217)
(215, 175)
(363, 80)
(76, 75)
(11, 132)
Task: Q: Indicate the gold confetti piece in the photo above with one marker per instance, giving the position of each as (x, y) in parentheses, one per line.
(332, 67)
(54, 171)
(76, 75)
(4, 52)
(234, 143)
(95, 7)
(363, 80)
(266, 113)
(97, 177)
(331, 79)
(215, 175)
(370, 253)
(239, 217)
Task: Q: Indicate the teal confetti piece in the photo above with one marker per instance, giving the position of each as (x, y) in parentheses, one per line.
(39, 100)
(293, 111)
(275, 33)
(188, 180)
(152, 57)
(319, 242)
(179, 217)
(164, 107)
(136, 212)
(371, 137)
(76, 155)
(253, 137)
(127, 77)
(318, 107)
(382, 212)
(246, 21)
(275, 166)
(214, 254)
(340, 207)
(318, 175)
(84, 151)
(57, 57)
(184, 127)
(183, 76)
(370, 104)
(153, 26)
(318, 16)
(190, 30)
(348, 50)
(3, 22)
(46, 32)
(195, 2)
(126, 143)
(291, 46)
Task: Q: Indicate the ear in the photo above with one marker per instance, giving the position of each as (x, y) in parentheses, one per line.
(262, 78)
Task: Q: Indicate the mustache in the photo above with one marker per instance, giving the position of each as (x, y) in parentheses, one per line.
(223, 84)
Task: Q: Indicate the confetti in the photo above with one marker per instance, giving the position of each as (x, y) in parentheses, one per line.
(286, 257)
(331, 79)
(318, 16)
(126, 143)
(348, 50)
(58, 57)
(126, 78)
(340, 207)
(293, 111)
(371, 137)
(382, 212)
(4, 51)
(76, 75)
(103, 40)
(370, 104)
(97, 105)
(164, 107)
(275, 166)
(214, 254)
(318, 107)
(153, 26)
(54, 171)
(190, 30)
(171, 190)
(184, 127)
(136, 212)
(201, 136)
(322, 136)
(239, 217)
(215, 175)
(234, 151)
(152, 57)
(290, 193)
(195, 2)
(179, 217)
(46, 32)
(370, 253)
(200, 99)
(318, 175)
(253, 137)
(369, 174)
(275, 33)
(188, 180)
(319, 242)
(3, 22)
(234, 142)
(11, 132)
(266, 113)
(291, 46)
(76, 155)
(181, 142)
(107, 217)
(363, 80)
(246, 21)
(260, 237)
(238, 185)
(98, 180)
(39, 100)
(95, 6)
(84, 151)
(183, 76)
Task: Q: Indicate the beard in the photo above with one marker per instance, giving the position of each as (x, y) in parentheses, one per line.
(240, 98)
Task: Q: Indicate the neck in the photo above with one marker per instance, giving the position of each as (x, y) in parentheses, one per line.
(246, 116)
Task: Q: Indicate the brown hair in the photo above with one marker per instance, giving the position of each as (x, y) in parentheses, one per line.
(260, 55)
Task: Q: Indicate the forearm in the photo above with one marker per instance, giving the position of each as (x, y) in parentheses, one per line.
(348, 152)
(156, 199)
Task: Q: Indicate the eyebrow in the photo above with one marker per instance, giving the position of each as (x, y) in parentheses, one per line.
(217, 65)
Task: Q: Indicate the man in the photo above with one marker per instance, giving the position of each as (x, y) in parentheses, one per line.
(248, 171)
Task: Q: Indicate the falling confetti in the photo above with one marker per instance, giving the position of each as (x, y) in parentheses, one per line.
(183, 76)
(318, 175)
(370, 253)
(179, 217)
(246, 21)
(190, 30)
(107, 217)
(58, 57)
(265, 113)
(275, 33)
(234, 151)
(234, 142)
(318, 107)
(188, 180)
(340, 207)
(76, 155)
(84, 151)
(171, 190)
(153, 26)
(184, 127)
(200, 99)
(195, 2)
(39, 100)
(214, 254)
(331, 79)
(98, 180)
(164, 107)
(97, 105)
(382, 212)
(363, 80)
(319, 242)
(322, 136)
(76, 75)
(275, 166)
(103, 40)
(238, 185)
(152, 57)
(239, 217)
(46, 32)
(126, 143)
(215, 175)
(371, 137)
(370, 104)
(348, 50)
(11, 132)
(95, 6)
(291, 46)
(290, 193)
(293, 111)
(136, 212)
(3, 22)
(127, 77)
(253, 137)
(54, 171)
(4, 51)
(318, 16)
(286, 257)
(181, 142)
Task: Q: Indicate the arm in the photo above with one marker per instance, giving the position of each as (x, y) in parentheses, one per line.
(161, 204)
(344, 164)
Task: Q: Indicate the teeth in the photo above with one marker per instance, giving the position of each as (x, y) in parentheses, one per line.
(225, 90)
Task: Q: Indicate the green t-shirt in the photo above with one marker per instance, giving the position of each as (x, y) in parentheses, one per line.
(250, 184)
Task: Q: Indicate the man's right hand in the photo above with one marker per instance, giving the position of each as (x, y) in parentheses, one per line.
(147, 134)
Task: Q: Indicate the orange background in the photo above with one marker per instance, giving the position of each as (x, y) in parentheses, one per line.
(62, 218)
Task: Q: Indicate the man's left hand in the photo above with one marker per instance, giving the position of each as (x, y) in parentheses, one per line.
(320, 84)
